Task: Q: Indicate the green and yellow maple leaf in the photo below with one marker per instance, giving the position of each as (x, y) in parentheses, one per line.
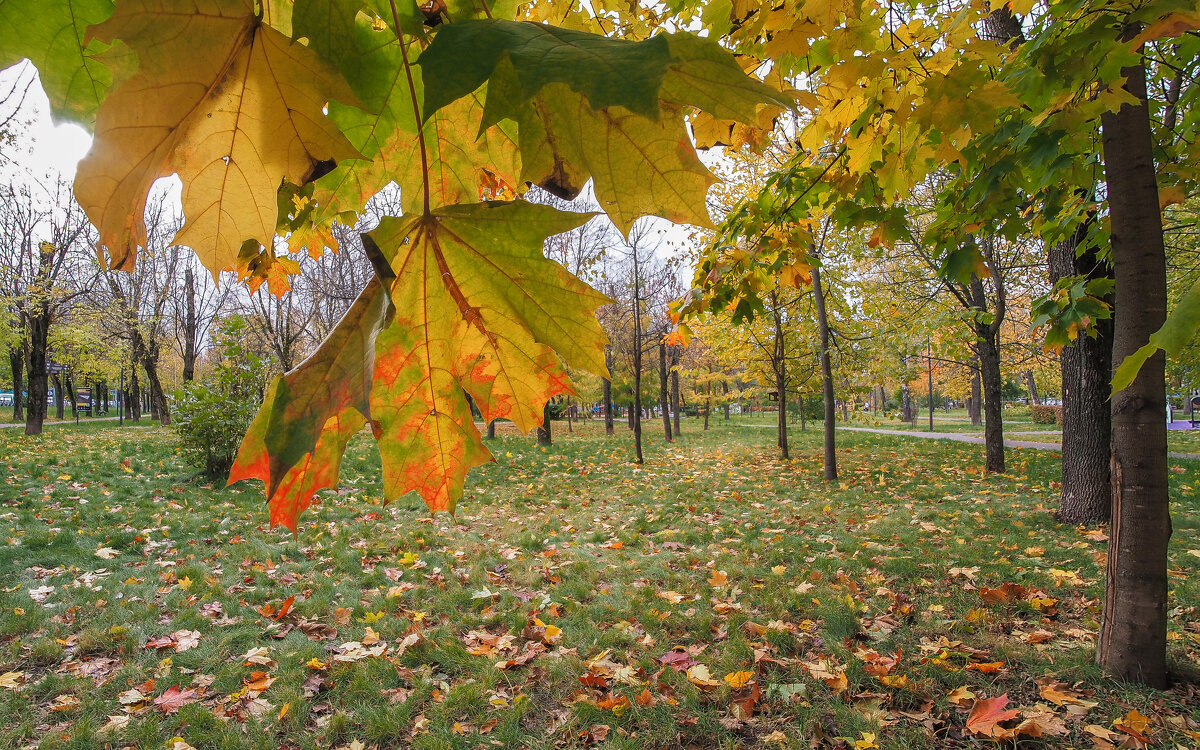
(228, 103)
(479, 310)
(605, 109)
(639, 166)
(458, 152)
(53, 35)
(297, 439)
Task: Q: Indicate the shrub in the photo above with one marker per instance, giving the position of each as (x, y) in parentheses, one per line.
(1018, 412)
(212, 416)
(1046, 414)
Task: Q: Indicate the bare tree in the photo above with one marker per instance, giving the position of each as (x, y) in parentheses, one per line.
(44, 235)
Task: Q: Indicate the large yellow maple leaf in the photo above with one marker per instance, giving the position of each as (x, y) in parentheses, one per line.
(229, 104)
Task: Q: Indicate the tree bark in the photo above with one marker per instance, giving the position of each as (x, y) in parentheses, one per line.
(491, 430)
(159, 408)
(608, 402)
(1133, 631)
(781, 381)
(38, 326)
(993, 425)
(1086, 495)
(725, 393)
(16, 359)
(69, 386)
(543, 430)
(976, 396)
(58, 397)
(1032, 386)
(189, 329)
(831, 472)
(675, 388)
(663, 397)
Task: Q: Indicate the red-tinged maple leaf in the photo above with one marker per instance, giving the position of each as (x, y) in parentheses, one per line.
(296, 441)
(165, 641)
(592, 679)
(987, 714)
(171, 701)
(678, 660)
(480, 310)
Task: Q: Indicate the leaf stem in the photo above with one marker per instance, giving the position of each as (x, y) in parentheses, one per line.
(412, 90)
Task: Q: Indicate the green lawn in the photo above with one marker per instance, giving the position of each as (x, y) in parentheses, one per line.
(715, 598)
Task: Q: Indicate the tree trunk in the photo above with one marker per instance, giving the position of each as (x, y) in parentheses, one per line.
(781, 381)
(976, 396)
(543, 431)
(908, 414)
(16, 359)
(663, 397)
(570, 423)
(189, 329)
(993, 424)
(1086, 495)
(135, 394)
(675, 407)
(159, 408)
(70, 389)
(608, 402)
(831, 472)
(491, 430)
(1032, 386)
(725, 393)
(58, 397)
(1133, 633)
(35, 410)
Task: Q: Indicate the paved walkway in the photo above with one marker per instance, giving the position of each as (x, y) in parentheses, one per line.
(960, 437)
(49, 423)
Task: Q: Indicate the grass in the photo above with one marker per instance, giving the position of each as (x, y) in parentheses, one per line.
(714, 547)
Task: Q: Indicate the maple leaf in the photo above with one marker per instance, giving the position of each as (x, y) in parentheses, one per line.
(173, 699)
(986, 715)
(478, 309)
(460, 153)
(590, 106)
(53, 35)
(225, 101)
(296, 441)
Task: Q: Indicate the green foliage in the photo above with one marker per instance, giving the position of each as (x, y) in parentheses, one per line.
(212, 416)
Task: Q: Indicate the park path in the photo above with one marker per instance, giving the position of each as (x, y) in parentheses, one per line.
(960, 437)
(89, 420)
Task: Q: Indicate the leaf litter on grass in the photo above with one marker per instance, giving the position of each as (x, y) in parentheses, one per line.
(713, 597)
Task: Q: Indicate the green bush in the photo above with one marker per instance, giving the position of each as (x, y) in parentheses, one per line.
(1018, 412)
(212, 415)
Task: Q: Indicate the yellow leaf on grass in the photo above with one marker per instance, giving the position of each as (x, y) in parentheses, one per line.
(739, 680)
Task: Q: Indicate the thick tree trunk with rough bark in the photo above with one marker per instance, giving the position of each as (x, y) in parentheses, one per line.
(1133, 630)
(159, 408)
(1086, 495)
(663, 396)
(831, 472)
(993, 408)
(16, 360)
(491, 430)
(38, 327)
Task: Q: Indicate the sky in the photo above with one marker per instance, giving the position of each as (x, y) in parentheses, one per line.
(43, 148)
